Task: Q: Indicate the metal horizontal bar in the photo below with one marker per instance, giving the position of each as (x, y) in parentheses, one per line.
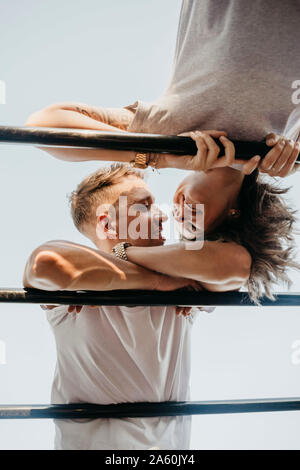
(147, 410)
(42, 136)
(139, 297)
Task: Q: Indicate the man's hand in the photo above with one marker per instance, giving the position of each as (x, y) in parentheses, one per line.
(185, 311)
(71, 308)
(48, 307)
(161, 282)
(207, 157)
(280, 161)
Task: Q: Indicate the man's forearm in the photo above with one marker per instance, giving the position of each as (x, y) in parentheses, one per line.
(61, 265)
(214, 263)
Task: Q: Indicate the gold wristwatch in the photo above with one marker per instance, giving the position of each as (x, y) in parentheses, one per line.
(141, 160)
(120, 250)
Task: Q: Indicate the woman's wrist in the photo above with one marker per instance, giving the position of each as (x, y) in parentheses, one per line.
(169, 160)
(130, 251)
(149, 280)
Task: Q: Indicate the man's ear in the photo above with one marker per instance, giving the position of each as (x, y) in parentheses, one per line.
(106, 227)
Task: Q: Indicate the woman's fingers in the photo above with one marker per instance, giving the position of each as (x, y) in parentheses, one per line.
(284, 156)
(184, 134)
(212, 147)
(229, 157)
(229, 150)
(207, 149)
(213, 133)
(280, 159)
(272, 156)
(272, 139)
(251, 165)
(290, 164)
(202, 150)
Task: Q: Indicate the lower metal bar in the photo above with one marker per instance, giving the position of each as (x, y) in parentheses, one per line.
(147, 410)
(139, 297)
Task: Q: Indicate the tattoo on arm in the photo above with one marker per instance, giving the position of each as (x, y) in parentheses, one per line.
(120, 118)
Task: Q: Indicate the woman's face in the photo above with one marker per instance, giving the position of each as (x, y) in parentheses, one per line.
(213, 192)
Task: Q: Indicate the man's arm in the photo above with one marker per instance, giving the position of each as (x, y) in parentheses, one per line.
(217, 266)
(62, 265)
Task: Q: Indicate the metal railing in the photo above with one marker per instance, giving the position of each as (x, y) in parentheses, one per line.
(152, 143)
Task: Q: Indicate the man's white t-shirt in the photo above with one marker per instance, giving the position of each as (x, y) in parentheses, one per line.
(112, 354)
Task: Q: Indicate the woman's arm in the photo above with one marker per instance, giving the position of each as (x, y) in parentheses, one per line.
(217, 266)
(62, 265)
(82, 116)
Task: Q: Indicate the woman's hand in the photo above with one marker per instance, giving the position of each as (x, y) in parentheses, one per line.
(207, 157)
(281, 160)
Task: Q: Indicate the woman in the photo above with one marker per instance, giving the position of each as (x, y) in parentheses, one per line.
(245, 209)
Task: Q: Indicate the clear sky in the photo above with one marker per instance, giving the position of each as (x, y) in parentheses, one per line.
(110, 54)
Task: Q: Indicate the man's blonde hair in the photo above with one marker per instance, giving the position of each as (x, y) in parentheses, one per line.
(98, 188)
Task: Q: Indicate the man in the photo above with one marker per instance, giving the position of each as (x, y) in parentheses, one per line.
(119, 354)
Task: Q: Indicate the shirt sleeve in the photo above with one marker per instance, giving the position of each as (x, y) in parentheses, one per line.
(196, 311)
(143, 112)
(292, 128)
(57, 315)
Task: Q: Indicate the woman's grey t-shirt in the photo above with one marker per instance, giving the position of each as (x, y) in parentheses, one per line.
(235, 66)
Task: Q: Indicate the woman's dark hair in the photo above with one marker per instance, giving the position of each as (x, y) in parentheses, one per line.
(265, 228)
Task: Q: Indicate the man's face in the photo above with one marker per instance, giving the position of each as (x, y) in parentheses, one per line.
(137, 219)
